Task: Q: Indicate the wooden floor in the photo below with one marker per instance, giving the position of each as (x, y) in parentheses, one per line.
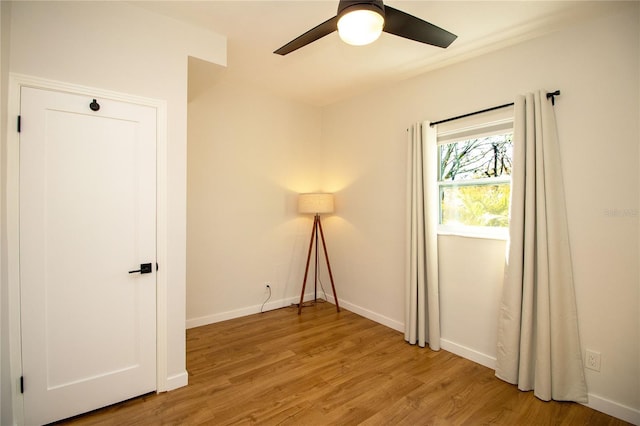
(328, 368)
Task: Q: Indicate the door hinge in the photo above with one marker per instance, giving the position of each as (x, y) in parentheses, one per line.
(19, 123)
(21, 384)
(156, 266)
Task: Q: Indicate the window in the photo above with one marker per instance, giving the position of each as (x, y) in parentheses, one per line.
(474, 180)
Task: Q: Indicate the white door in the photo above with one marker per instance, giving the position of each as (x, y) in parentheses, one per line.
(87, 218)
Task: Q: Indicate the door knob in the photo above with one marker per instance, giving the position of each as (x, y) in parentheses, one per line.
(145, 268)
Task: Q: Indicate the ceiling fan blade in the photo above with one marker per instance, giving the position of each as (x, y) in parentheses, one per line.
(408, 26)
(327, 27)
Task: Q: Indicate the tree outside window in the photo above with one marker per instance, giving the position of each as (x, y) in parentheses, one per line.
(474, 181)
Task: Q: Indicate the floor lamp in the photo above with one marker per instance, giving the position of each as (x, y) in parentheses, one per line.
(316, 204)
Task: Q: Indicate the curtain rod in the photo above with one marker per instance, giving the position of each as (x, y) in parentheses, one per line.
(551, 95)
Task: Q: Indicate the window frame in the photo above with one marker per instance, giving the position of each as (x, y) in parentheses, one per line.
(498, 123)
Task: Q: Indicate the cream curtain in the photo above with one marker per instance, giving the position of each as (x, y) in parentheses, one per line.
(422, 310)
(538, 342)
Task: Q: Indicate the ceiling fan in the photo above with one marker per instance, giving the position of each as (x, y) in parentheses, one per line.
(360, 22)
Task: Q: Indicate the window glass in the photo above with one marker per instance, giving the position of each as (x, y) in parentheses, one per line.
(479, 158)
(474, 181)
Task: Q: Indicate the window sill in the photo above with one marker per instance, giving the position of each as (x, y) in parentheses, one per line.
(475, 232)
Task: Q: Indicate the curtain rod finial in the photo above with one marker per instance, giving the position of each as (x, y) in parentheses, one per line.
(553, 95)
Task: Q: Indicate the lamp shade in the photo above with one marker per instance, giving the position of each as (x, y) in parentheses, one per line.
(315, 203)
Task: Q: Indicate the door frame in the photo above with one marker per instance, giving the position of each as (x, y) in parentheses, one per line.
(16, 83)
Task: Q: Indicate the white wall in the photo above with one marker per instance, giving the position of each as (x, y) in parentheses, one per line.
(5, 368)
(595, 65)
(116, 46)
(249, 154)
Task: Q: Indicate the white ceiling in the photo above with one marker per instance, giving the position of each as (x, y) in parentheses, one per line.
(329, 70)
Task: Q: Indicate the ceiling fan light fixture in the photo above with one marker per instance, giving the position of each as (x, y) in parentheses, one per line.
(361, 22)
(360, 26)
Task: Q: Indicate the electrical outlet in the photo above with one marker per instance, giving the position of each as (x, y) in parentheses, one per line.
(592, 360)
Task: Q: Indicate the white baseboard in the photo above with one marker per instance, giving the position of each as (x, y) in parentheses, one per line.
(614, 409)
(177, 381)
(283, 303)
(222, 316)
(243, 312)
(468, 353)
(598, 403)
(380, 319)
